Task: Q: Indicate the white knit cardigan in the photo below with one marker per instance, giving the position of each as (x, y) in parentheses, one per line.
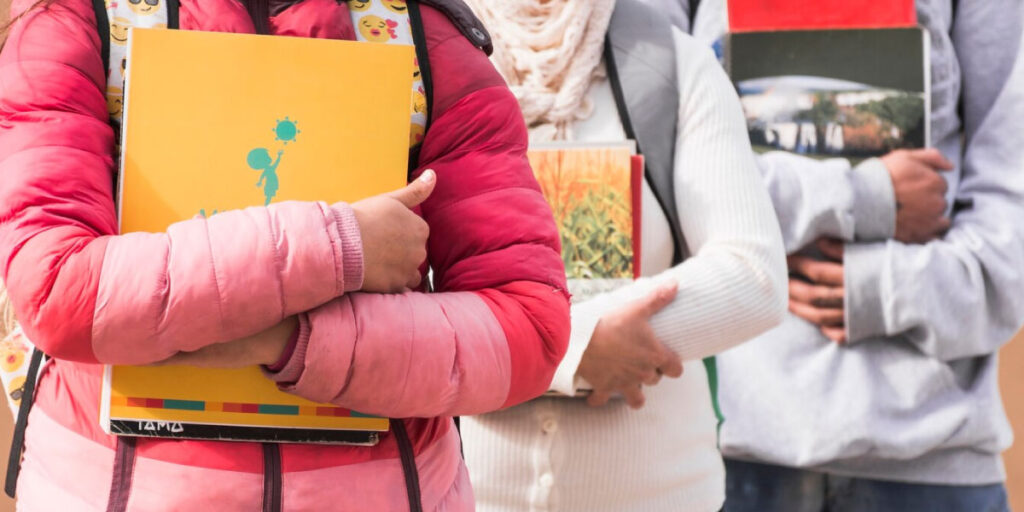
(557, 454)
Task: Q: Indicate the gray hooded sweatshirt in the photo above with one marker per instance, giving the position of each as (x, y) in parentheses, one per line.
(913, 396)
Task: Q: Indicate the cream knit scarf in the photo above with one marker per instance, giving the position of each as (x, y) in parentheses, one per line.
(549, 52)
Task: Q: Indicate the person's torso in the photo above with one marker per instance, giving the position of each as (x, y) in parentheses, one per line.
(69, 460)
(560, 454)
(882, 407)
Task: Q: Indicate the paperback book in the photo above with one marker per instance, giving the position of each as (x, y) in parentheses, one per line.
(216, 122)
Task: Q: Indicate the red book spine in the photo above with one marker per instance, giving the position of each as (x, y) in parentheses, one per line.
(636, 189)
(765, 15)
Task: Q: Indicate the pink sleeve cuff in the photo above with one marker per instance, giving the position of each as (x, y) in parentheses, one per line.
(351, 246)
(293, 361)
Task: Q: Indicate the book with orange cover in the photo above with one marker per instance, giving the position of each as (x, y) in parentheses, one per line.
(216, 122)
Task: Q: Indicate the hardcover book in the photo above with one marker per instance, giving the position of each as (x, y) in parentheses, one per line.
(594, 194)
(833, 93)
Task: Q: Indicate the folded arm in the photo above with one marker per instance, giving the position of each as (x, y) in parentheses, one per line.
(84, 293)
(733, 286)
(496, 328)
(961, 296)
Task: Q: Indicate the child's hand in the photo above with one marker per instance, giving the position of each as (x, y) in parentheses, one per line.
(394, 238)
(262, 348)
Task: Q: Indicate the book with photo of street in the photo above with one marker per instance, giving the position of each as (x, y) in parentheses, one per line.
(855, 94)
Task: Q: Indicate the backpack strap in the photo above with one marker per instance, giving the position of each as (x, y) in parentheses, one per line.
(694, 5)
(18, 439)
(426, 77)
(645, 89)
(103, 27)
(408, 459)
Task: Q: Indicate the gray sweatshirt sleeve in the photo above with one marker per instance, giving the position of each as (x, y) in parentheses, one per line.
(815, 198)
(962, 295)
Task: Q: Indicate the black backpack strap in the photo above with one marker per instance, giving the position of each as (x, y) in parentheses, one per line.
(423, 59)
(627, 126)
(172, 14)
(18, 440)
(408, 458)
(405, 450)
(99, 7)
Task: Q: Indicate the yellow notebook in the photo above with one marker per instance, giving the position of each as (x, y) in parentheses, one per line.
(216, 122)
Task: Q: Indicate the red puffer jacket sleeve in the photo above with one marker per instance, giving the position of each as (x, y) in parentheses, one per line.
(84, 294)
(499, 324)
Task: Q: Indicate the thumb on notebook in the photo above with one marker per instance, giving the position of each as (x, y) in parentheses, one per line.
(413, 194)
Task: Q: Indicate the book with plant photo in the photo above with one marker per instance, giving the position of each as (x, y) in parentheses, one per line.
(593, 191)
(855, 93)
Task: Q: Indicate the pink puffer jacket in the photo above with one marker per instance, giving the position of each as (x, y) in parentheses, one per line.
(491, 337)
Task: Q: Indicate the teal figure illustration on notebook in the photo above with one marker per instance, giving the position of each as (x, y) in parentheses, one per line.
(259, 159)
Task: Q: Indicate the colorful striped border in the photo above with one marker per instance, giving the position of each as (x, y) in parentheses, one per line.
(200, 405)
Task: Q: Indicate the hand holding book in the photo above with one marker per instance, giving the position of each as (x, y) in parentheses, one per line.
(624, 354)
(394, 238)
(920, 193)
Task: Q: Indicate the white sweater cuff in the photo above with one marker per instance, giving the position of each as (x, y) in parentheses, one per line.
(585, 317)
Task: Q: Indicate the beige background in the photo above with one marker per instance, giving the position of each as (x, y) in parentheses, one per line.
(1012, 387)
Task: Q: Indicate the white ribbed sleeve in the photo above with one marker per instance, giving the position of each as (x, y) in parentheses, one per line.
(733, 287)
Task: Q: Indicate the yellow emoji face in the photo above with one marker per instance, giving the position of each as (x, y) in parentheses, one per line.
(395, 6)
(415, 134)
(144, 7)
(11, 357)
(119, 30)
(359, 5)
(376, 29)
(419, 102)
(16, 389)
(114, 101)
